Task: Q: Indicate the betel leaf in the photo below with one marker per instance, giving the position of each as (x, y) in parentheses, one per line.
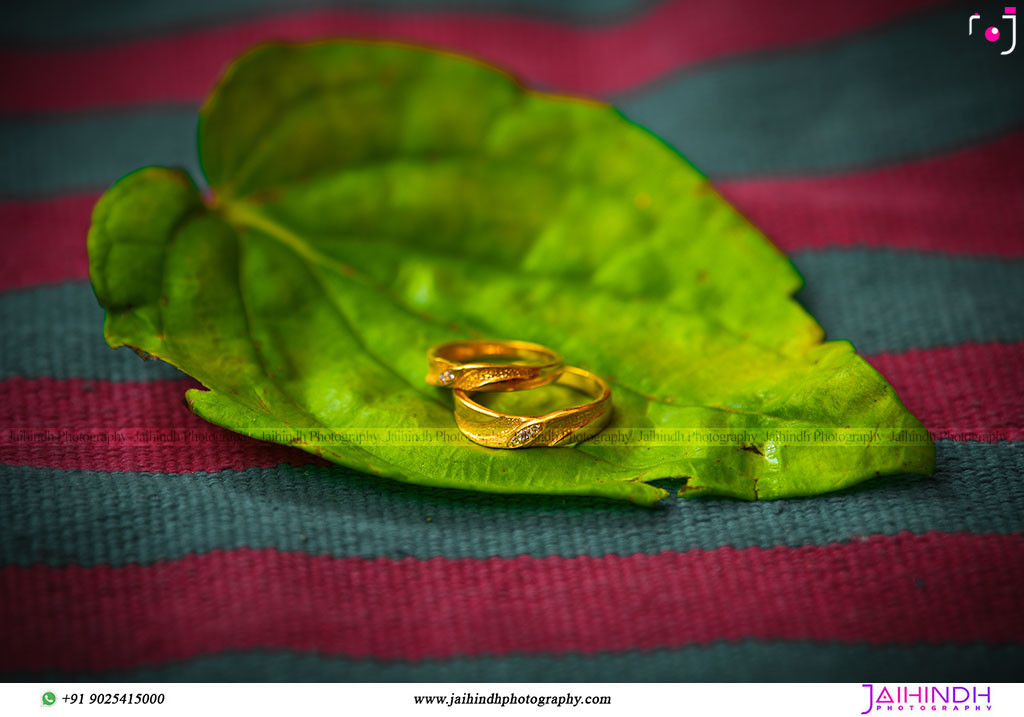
(373, 199)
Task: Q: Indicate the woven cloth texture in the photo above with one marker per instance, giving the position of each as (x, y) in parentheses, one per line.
(875, 142)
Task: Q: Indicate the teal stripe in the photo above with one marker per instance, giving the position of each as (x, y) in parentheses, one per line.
(905, 90)
(892, 300)
(881, 300)
(72, 153)
(74, 517)
(56, 331)
(77, 21)
(746, 661)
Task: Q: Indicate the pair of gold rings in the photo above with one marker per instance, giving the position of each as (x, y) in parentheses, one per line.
(484, 366)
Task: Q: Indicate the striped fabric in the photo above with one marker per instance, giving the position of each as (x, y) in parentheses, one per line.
(874, 141)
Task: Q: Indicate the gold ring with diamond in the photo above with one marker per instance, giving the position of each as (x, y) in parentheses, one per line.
(492, 365)
(565, 426)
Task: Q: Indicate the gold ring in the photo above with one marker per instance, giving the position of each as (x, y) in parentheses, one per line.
(465, 365)
(567, 425)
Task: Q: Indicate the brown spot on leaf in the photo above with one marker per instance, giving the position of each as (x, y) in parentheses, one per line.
(267, 196)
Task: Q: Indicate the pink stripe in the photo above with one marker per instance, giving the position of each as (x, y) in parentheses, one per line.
(907, 206)
(965, 202)
(579, 59)
(970, 388)
(44, 240)
(105, 405)
(934, 588)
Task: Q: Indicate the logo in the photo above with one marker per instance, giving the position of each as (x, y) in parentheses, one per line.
(993, 33)
(927, 698)
(49, 698)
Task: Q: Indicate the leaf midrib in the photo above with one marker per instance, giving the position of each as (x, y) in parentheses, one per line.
(240, 213)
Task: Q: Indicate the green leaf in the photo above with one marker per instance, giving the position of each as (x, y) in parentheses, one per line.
(373, 199)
